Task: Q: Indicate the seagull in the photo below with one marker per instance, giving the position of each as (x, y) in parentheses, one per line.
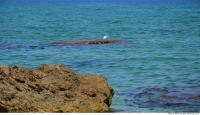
(105, 37)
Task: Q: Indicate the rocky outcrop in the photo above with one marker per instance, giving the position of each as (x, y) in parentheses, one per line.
(52, 88)
(85, 42)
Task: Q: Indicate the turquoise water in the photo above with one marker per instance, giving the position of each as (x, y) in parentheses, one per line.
(157, 69)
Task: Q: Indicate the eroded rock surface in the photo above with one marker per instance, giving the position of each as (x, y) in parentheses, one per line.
(86, 41)
(52, 88)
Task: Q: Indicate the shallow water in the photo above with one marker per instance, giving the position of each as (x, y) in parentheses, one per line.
(162, 52)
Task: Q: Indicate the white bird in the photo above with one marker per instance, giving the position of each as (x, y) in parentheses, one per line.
(105, 37)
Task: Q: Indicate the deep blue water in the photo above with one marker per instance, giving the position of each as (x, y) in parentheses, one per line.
(157, 69)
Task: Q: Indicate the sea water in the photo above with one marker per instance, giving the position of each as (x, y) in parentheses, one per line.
(156, 69)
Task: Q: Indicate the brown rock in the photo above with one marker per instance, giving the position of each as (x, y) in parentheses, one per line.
(52, 88)
(86, 41)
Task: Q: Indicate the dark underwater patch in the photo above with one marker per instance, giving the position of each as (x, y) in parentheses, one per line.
(172, 99)
(18, 44)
